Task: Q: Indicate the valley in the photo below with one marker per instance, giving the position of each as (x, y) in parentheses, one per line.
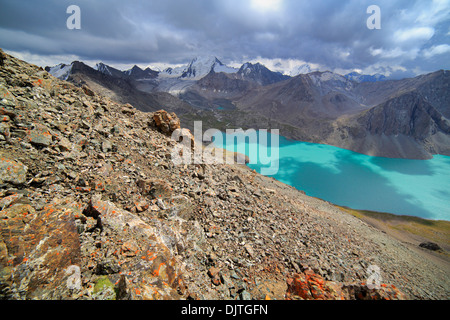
(406, 118)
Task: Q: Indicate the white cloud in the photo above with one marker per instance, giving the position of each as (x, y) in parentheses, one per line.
(395, 53)
(285, 66)
(330, 33)
(43, 60)
(436, 50)
(266, 5)
(414, 34)
(434, 12)
(381, 68)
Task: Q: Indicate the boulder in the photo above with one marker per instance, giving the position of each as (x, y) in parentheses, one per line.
(311, 286)
(430, 246)
(37, 250)
(166, 122)
(5, 131)
(154, 271)
(40, 135)
(12, 171)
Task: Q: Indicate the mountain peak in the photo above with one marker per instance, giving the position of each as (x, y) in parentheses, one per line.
(302, 69)
(358, 77)
(252, 66)
(108, 70)
(201, 66)
(60, 71)
(136, 68)
(259, 73)
(138, 74)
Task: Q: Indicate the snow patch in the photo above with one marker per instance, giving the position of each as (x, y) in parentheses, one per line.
(103, 68)
(329, 76)
(61, 71)
(302, 69)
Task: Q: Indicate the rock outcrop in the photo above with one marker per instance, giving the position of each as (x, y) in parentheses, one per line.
(310, 286)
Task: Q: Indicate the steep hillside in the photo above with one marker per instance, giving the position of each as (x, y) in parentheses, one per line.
(316, 95)
(406, 126)
(92, 207)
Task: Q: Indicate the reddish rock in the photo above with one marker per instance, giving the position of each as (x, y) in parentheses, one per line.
(8, 113)
(130, 249)
(166, 122)
(147, 257)
(214, 274)
(10, 200)
(311, 286)
(37, 249)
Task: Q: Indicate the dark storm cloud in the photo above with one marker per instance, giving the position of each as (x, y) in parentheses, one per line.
(329, 33)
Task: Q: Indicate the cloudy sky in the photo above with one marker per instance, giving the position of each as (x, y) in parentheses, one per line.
(330, 34)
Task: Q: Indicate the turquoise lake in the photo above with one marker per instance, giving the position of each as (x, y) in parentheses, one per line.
(399, 186)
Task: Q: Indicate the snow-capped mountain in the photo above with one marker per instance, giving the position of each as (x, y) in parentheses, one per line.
(201, 66)
(61, 71)
(197, 69)
(326, 76)
(260, 74)
(108, 70)
(137, 73)
(172, 72)
(326, 82)
(355, 76)
(302, 69)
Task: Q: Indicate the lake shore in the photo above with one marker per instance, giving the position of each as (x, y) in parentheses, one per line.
(409, 229)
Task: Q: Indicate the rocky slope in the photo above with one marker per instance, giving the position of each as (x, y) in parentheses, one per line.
(92, 207)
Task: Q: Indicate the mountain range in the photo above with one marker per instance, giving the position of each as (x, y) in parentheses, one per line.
(370, 114)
